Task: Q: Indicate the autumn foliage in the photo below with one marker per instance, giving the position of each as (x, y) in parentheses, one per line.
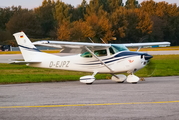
(110, 20)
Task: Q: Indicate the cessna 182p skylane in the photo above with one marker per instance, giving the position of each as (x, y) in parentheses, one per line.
(96, 58)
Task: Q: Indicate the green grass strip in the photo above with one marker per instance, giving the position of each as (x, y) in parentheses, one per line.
(162, 65)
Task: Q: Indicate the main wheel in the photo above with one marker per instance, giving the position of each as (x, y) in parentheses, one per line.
(121, 82)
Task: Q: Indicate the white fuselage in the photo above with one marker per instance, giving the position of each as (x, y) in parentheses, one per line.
(117, 63)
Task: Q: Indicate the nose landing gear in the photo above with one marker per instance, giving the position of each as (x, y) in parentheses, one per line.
(132, 79)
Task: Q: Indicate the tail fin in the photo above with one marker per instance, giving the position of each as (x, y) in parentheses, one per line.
(28, 50)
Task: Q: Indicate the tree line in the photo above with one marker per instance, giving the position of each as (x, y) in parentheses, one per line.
(110, 20)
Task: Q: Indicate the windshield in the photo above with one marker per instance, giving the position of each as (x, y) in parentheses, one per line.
(119, 47)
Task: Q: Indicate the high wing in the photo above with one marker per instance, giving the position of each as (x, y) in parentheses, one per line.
(94, 46)
(72, 46)
(61, 44)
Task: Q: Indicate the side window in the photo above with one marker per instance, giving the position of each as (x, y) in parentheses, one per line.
(100, 53)
(86, 55)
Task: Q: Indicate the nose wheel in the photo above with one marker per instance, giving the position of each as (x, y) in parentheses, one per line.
(132, 79)
(89, 83)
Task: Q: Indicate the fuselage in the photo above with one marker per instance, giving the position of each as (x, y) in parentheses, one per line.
(124, 61)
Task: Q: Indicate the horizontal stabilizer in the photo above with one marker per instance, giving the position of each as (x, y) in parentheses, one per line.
(25, 62)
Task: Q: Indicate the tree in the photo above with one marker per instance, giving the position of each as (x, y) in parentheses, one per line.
(81, 30)
(62, 12)
(105, 19)
(24, 21)
(164, 17)
(131, 4)
(139, 26)
(119, 23)
(93, 7)
(5, 35)
(45, 15)
(6, 14)
(149, 7)
(101, 26)
(113, 5)
(63, 31)
(145, 24)
(79, 12)
(157, 29)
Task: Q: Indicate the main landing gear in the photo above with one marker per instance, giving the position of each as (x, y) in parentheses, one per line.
(119, 78)
(89, 79)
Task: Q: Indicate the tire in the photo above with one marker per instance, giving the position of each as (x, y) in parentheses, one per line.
(134, 82)
(89, 83)
(121, 82)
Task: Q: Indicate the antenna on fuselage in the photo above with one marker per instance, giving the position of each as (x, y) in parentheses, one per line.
(103, 41)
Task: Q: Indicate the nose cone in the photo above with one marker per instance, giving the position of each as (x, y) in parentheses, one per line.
(148, 57)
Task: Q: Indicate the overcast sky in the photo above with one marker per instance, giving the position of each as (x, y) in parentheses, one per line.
(35, 3)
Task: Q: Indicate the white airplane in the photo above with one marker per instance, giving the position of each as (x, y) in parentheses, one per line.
(95, 58)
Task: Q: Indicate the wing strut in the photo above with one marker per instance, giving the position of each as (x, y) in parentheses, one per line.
(139, 49)
(98, 59)
(112, 72)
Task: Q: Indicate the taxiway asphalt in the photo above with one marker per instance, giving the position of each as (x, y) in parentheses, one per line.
(156, 98)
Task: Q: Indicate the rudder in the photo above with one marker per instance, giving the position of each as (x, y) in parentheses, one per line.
(26, 47)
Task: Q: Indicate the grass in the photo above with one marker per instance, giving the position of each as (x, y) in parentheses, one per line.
(162, 65)
(165, 65)
(10, 73)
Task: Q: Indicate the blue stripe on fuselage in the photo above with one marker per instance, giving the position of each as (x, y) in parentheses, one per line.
(30, 49)
(119, 56)
(128, 53)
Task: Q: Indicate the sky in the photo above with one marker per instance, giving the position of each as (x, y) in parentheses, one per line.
(36, 3)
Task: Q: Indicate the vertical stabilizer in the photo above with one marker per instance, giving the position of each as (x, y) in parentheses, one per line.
(28, 50)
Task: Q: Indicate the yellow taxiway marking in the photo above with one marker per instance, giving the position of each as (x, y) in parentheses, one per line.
(76, 105)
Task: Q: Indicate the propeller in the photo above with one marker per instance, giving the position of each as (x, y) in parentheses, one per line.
(146, 56)
(150, 67)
